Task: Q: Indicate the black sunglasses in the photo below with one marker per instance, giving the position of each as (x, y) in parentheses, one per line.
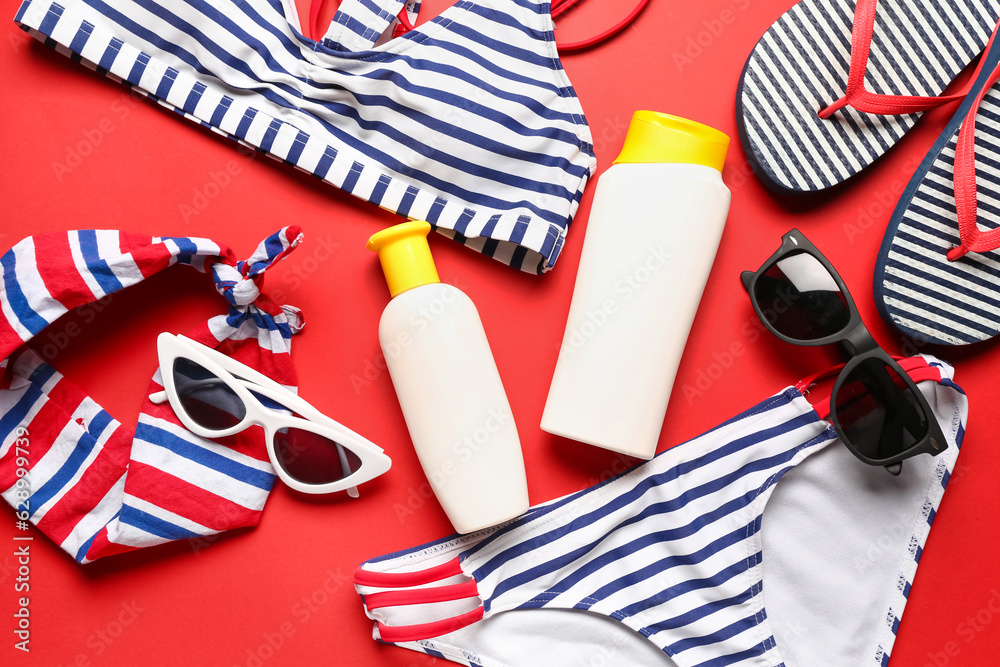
(875, 407)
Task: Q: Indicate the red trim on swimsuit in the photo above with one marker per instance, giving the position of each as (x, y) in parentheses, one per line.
(417, 578)
(461, 591)
(916, 367)
(402, 633)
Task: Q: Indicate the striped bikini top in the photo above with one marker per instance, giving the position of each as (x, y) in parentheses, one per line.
(468, 121)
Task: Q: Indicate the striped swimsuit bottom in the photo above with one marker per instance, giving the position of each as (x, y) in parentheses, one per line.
(699, 557)
(467, 121)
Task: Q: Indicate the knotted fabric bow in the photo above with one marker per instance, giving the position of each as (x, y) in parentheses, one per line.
(69, 467)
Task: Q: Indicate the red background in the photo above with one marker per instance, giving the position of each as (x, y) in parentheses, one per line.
(146, 170)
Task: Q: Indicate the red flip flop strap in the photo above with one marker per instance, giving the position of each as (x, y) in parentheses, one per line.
(860, 98)
(972, 238)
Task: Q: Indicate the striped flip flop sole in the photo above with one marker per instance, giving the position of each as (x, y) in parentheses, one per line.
(917, 289)
(801, 65)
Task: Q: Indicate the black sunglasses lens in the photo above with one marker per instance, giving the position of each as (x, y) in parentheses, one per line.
(311, 458)
(207, 400)
(800, 299)
(878, 412)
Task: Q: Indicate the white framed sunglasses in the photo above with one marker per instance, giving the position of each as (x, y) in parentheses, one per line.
(215, 396)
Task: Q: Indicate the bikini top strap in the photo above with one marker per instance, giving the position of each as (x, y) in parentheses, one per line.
(358, 24)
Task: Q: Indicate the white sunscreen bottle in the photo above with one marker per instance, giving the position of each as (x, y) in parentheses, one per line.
(653, 232)
(448, 386)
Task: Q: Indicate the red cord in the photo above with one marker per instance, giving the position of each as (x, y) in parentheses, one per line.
(560, 6)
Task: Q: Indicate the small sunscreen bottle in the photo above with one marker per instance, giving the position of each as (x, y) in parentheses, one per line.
(448, 386)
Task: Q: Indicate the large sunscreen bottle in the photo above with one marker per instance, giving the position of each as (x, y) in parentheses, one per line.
(448, 386)
(653, 232)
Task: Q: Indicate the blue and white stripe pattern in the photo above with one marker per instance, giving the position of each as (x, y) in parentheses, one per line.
(468, 122)
(917, 288)
(672, 550)
(801, 64)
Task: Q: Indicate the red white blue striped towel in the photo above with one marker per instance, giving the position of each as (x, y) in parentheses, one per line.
(92, 487)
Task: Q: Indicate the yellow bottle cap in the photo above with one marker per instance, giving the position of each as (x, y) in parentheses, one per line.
(660, 137)
(405, 256)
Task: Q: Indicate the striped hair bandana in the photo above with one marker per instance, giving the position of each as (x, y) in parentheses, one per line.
(91, 486)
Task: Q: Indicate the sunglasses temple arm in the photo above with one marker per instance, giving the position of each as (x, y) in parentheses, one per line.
(345, 468)
(158, 397)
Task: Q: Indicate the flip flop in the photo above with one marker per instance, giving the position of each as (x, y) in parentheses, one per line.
(937, 278)
(828, 55)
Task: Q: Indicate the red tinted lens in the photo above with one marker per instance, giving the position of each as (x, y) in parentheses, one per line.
(311, 458)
